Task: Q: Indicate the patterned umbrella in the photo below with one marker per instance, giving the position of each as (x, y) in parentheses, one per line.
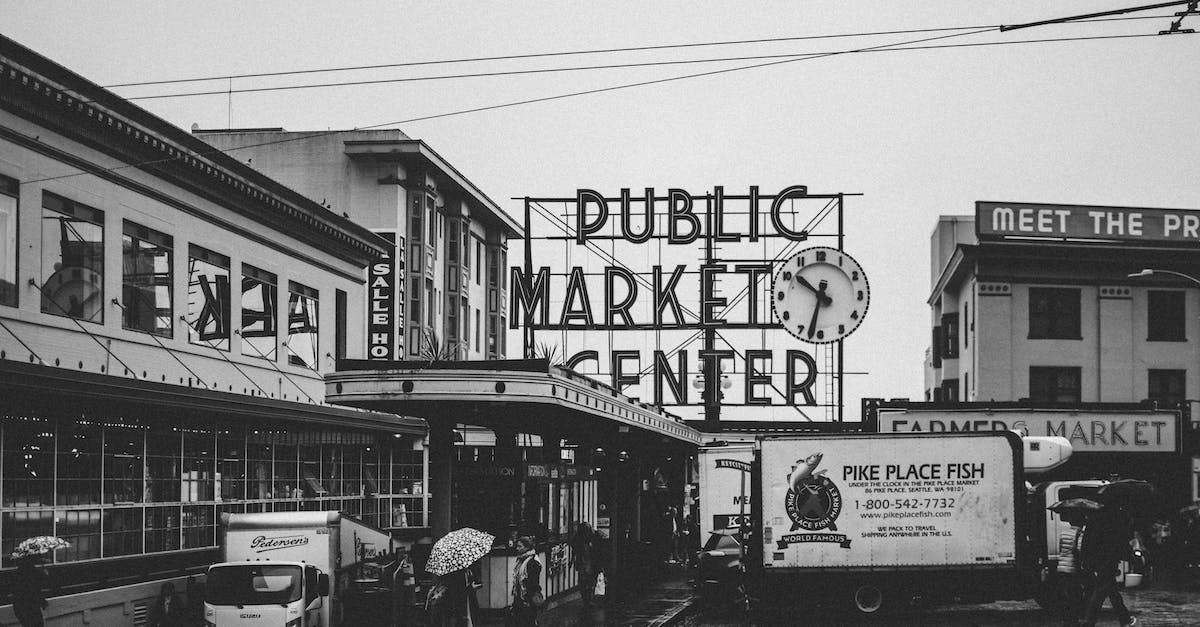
(458, 549)
(38, 546)
(1078, 505)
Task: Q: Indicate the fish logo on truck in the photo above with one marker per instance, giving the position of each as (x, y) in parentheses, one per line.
(262, 544)
(813, 502)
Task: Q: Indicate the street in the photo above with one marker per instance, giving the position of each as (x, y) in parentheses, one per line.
(1167, 605)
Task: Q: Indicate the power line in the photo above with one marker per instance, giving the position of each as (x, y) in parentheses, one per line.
(900, 46)
(789, 56)
(582, 52)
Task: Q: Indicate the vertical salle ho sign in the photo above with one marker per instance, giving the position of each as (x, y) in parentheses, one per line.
(382, 317)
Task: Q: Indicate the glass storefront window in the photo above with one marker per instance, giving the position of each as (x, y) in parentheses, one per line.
(198, 465)
(28, 451)
(72, 259)
(163, 450)
(231, 463)
(146, 280)
(124, 463)
(310, 471)
(208, 298)
(259, 306)
(79, 454)
(199, 526)
(287, 485)
(80, 527)
(122, 531)
(162, 529)
(16, 526)
(331, 468)
(303, 348)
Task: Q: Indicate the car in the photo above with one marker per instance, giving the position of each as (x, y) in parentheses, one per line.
(719, 562)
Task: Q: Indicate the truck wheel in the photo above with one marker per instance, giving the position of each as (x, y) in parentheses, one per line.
(868, 598)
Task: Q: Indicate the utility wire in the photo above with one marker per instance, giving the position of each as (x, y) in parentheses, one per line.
(796, 56)
(583, 52)
(907, 46)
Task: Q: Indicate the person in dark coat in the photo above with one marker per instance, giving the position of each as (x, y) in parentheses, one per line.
(168, 610)
(28, 598)
(583, 553)
(452, 600)
(526, 598)
(1103, 544)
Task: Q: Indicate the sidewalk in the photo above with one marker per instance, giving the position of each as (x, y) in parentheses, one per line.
(656, 604)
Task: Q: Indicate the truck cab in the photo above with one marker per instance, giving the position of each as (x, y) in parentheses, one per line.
(267, 594)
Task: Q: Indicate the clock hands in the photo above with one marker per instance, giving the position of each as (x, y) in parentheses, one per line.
(822, 299)
(821, 296)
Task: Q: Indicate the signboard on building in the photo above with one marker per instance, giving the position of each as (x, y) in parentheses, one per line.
(713, 303)
(384, 298)
(1085, 222)
(1088, 431)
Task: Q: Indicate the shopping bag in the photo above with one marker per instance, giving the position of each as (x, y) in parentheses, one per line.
(600, 584)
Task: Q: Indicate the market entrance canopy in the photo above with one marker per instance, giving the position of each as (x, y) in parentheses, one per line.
(528, 395)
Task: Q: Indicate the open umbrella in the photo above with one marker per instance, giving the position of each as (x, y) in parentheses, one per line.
(1079, 505)
(38, 546)
(458, 549)
(1132, 495)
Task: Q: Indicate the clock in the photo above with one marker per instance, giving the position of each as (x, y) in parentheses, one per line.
(820, 295)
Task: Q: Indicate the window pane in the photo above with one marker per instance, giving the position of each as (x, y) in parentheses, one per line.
(199, 526)
(162, 462)
(146, 280)
(303, 349)
(162, 529)
(231, 463)
(1168, 386)
(123, 461)
(1165, 316)
(1054, 384)
(72, 259)
(8, 241)
(259, 319)
(79, 452)
(16, 526)
(122, 532)
(28, 462)
(208, 298)
(80, 527)
(199, 465)
(1054, 313)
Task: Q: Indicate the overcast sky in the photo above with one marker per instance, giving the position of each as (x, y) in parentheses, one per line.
(918, 133)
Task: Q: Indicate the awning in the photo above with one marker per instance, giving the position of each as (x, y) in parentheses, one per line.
(526, 395)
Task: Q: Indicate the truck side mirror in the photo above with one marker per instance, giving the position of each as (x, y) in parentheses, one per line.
(323, 585)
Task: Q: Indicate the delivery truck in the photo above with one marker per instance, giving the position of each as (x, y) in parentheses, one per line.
(287, 569)
(884, 518)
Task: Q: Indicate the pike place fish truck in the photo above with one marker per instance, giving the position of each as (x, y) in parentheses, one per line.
(287, 569)
(883, 519)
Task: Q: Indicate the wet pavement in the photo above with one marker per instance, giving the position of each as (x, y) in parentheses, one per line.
(670, 602)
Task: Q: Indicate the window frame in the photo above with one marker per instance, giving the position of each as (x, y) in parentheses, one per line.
(1171, 303)
(9, 242)
(1041, 374)
(63, 206)
(1060, 318)
(138, 234)
(1166, 397)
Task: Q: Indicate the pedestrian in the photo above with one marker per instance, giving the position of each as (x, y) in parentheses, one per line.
(167, 611)
(195, 602)
(28, 598)
(670, 535)
(1072, 583)
(526, 598)
(583, 553)
(451, 601)
(1105, 542)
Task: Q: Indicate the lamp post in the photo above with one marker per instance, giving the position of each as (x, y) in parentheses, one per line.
(1152, 271)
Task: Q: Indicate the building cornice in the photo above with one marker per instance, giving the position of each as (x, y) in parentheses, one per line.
(59, 100)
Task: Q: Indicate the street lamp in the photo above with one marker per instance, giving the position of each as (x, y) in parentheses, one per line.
(1151, 271)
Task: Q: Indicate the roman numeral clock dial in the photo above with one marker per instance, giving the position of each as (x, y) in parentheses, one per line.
(820, 295)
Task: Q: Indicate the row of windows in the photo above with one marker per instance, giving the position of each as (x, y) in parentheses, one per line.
(1054, 314)
(110, 477)
(1063, 384)
(72, 283)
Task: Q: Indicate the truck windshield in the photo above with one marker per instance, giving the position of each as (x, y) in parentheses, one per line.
(253, 584)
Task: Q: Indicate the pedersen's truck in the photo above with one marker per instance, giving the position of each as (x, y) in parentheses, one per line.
(287, 569)
(883, 518)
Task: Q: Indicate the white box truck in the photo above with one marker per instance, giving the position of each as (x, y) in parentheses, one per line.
(287, 569)
(884, 517)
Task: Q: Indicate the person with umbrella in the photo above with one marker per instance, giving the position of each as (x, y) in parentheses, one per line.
(1072, 583)
(1104, 543)
(28, 597)
(451, 601)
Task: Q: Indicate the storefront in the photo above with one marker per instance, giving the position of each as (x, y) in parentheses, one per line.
(520, 447)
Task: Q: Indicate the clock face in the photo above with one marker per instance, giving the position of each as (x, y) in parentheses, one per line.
(820, 295)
